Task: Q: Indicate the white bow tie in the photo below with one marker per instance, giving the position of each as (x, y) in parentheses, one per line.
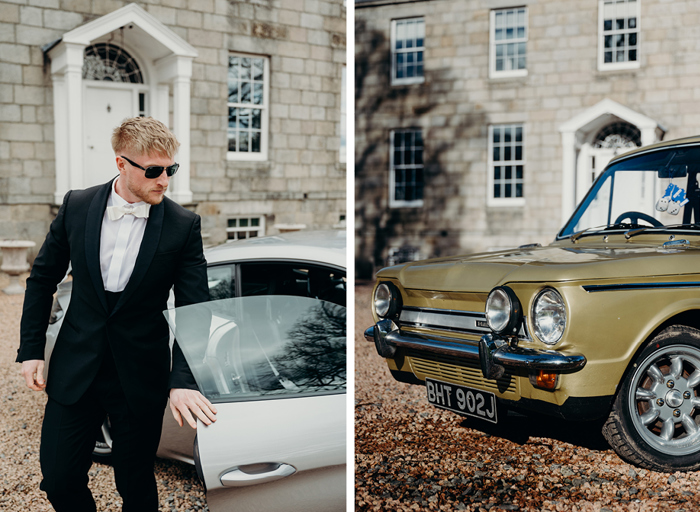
(117, 212)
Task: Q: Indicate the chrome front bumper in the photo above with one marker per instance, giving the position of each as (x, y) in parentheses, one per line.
(494, 354)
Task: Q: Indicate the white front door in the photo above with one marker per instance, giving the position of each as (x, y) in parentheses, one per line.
(105, 109)
(591, 163)
(640, 195)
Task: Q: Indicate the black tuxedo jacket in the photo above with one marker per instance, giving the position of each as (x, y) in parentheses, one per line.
(135, 331)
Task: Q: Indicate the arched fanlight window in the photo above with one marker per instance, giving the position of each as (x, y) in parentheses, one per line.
(105, 61)
(618, 135)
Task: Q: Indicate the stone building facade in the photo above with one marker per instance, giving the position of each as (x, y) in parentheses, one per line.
(481, 123)
(252, 89)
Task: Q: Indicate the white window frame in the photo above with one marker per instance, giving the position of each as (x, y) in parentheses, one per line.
(260, 228)
(507, 73)
(393, 52)
(264, 117)
(602, 65)
(401, 203)
(505, 201)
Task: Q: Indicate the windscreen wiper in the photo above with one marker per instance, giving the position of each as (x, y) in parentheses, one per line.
(682, 226)
(606, 227)
(579, 234)
(634, 232)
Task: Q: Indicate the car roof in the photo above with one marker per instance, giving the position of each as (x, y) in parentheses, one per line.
(310, 246)
(653, 147)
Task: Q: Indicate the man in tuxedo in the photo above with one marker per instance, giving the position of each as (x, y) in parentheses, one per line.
(128, 245)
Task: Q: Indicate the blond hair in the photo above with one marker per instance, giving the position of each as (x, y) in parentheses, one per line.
(144, 136)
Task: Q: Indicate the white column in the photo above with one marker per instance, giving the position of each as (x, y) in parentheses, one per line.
(648, 135)
(581, 174)
(74, 105)
(67, 78)
(60, 115)
(181, 128)
(568, 145)
(177, 69)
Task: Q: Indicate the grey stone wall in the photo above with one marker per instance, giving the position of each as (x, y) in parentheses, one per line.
(26, 116)
(458, 100)
(302, 182)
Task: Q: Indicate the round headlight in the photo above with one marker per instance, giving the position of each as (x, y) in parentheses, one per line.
(549, 316)
(382, 300)
(503, 312)
(387, 301)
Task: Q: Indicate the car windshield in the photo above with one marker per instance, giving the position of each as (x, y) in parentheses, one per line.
(657, 190)
(252, 348)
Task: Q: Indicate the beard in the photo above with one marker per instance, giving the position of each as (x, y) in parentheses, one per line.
(146, 194)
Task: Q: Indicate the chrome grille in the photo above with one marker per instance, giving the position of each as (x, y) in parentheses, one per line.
(465, 322)
(447, 320)
(469, 374)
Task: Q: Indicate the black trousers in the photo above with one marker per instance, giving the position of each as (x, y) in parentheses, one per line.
(68, 437)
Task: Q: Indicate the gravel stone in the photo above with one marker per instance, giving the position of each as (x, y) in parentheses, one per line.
(20, 428)
(527, 463)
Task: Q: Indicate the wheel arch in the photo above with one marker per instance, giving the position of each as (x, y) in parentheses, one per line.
(687, 318)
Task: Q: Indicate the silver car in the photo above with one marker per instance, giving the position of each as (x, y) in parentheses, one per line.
(269, 350)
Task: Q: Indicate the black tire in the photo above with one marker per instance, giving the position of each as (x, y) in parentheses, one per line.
(655, 418)
(102, 453)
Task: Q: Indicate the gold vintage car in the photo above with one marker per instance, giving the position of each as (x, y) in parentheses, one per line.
(602, 323)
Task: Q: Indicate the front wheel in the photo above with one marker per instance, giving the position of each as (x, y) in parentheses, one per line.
(655, 418)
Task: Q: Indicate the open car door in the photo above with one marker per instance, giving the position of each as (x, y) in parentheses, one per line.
(275, 367)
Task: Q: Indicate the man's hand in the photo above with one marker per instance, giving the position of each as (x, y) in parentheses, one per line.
(33, 373)
(186, 402)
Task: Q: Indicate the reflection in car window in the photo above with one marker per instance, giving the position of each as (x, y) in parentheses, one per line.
(222, 283)
(263, 347)
(278, 278)
(293, 279)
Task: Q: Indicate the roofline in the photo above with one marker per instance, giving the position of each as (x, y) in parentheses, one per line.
(381, 3)
(131, 13)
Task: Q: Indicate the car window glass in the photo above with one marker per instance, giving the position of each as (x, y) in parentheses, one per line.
(221, 281)
(597, 212)
(252, 348)
(271, 278)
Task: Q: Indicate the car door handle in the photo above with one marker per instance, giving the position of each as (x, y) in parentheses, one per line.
(252, 474)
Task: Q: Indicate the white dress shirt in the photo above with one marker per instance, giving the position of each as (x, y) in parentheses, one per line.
(120, 242)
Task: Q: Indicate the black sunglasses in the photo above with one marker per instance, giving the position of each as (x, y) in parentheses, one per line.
(155, 170)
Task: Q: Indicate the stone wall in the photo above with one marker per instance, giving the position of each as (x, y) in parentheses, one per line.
(458, 100)
(302, 182)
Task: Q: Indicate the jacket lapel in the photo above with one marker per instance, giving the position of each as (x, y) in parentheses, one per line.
(151, 237)
(93, 230)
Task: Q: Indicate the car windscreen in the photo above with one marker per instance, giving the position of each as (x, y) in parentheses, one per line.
(654, 190)
(253, 348)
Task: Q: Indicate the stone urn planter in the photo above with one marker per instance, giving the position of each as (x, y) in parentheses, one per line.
(14, 262)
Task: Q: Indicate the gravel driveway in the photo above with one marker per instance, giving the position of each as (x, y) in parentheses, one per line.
(21, 413)
(412, 456)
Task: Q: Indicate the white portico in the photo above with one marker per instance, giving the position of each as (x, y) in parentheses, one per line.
(592, 138)
(124, 64)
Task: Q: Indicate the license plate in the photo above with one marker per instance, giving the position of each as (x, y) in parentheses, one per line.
(462, 400)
